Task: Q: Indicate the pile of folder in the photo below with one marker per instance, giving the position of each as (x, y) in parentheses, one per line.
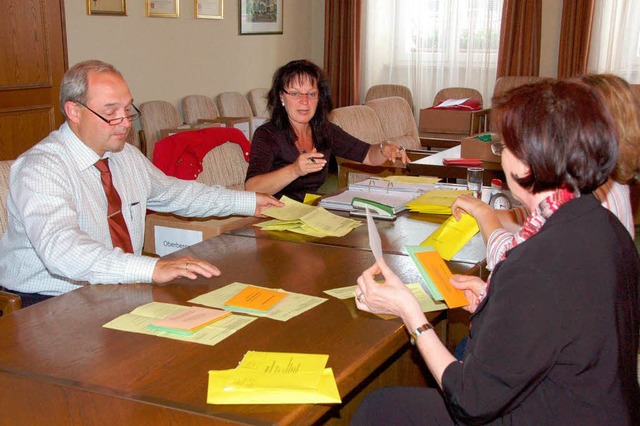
(308, 220)
(438, 201)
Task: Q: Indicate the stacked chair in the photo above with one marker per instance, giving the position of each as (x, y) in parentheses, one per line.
(157, 116)
(387, 90)
(258, 102)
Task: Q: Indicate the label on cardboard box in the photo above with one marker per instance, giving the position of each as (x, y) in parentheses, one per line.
(169, 240)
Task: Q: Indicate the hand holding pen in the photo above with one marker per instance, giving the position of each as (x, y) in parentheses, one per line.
(309, 162)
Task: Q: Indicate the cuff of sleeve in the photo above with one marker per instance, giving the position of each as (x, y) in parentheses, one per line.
(246, 203)
(139, 269)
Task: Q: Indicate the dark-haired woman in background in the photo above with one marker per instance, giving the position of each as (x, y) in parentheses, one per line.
(289, 154)
(555, 339)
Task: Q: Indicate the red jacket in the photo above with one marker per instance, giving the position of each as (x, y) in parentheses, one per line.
(181, 154)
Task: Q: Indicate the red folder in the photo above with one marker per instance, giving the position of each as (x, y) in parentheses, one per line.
(466, 162)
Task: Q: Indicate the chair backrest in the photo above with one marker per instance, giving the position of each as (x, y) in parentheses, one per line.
(397, 120)
(258, 102)
(196, 107)
(457, 93)
(506, 83)
(387, 90)
(157, 115)
(5, 168)
(224, 165)
(233, 104)
(360, 121)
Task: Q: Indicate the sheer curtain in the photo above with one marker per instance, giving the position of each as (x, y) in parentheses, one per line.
(615, 39)
(428, 45)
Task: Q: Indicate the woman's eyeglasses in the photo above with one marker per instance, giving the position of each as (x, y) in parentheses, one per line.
(298, 95)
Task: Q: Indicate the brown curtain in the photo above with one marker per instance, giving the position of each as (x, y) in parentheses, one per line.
(519, 53)
(342, 25)
(575, 36)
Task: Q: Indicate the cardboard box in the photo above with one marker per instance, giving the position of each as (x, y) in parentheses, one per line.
(475, 147)
(166, 233)
(453, 121)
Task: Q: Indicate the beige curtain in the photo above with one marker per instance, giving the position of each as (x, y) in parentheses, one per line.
(342, 50)
(575, 37)
(519, 53)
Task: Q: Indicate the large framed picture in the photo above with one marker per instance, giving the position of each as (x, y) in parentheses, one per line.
(208, 9)
(163, 8)
(107, 7)
(260, 16)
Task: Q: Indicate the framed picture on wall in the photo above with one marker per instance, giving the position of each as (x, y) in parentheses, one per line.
(107, 7)
(208, 9)
(260, 16)
(163, 8)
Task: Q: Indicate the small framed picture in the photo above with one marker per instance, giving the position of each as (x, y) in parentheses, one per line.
(107, 7)
(208, 9)
(163, 8)
(260, 16)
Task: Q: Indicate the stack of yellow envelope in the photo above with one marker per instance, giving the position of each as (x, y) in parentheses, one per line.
(275, 378)
(438, 201)
(452, 235)
(305, 219)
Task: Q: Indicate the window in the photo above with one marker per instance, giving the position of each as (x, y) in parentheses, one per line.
(615, 39)
(428, 45)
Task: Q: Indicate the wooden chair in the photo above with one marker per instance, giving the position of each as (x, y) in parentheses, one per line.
(157, 115)
(506, 83)
(397, 120)
(387, 90)
(362, 122)
(9, 302)
(457, 93)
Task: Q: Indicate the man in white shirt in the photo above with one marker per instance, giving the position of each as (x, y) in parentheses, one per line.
(59, 237)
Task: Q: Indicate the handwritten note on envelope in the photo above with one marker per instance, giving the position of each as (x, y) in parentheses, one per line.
(275, 378)
(255, 299)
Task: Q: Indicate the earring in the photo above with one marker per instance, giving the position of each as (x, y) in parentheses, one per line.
(282, 103)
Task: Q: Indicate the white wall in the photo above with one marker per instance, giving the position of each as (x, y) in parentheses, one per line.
(169, 58)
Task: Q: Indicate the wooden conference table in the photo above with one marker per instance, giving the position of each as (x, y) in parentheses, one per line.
(58, 365)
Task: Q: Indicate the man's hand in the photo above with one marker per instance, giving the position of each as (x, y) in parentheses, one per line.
(187, 266)
(263, 202)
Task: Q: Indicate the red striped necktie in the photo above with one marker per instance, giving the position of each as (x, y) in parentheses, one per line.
(117, 227)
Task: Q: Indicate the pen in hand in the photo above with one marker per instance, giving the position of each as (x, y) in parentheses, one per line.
(313, 160)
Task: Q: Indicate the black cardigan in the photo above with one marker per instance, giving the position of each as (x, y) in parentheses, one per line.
(555, 340)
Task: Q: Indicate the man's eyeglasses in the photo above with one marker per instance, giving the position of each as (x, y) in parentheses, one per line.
(115, 121)
(298, 95)
(497, 148)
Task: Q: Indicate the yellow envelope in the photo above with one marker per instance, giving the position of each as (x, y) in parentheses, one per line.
(233, 387)
(452, 235)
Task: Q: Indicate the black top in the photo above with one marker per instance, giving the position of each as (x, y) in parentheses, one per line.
(555, 340)
(271, 151)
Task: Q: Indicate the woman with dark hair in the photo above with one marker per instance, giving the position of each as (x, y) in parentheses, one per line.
(289, 153)
(555, 339)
